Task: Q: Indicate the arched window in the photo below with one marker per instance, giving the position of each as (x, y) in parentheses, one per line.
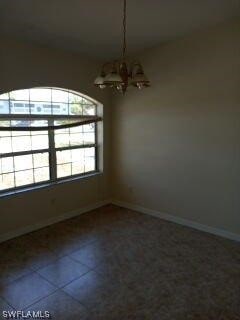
(46, 135)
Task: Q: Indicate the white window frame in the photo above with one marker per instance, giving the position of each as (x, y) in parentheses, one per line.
(52, 149)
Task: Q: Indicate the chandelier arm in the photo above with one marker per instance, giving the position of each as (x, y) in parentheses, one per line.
(133, 65)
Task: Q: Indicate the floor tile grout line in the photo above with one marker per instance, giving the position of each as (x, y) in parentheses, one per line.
(47, 264)
(48, 295)
(76, 279)
(59, 287)
(21, 277)
(69, 295)
(32, 270)
(16, 279)
(81, 303)
(38, 299)
(86, 244)
(57, 258)
(68, 255)
(83, 264)
(91, 270)
(99, 275)
(4, 299)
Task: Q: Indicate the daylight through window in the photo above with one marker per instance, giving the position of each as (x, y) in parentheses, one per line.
(31, 157)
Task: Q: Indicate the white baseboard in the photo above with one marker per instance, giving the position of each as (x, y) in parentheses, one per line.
(172, 218)
(161, 215)
(53, 220)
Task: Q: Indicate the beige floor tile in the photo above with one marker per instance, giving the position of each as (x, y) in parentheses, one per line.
(26, 290)
(61, 307)
(140, 267)
(63, 271)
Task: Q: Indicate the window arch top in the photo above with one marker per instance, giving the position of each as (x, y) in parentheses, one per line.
(45, 107)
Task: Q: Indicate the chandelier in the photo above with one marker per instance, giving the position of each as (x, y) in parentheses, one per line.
(119, 74)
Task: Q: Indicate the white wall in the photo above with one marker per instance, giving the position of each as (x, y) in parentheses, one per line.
(26, 66)
(176, 145)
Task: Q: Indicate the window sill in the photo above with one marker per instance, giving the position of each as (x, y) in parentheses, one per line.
(10, 194)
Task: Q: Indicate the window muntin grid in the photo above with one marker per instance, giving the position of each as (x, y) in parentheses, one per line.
(35, 100)
(29, 147)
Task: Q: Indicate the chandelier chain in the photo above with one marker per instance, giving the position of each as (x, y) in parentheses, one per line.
(124, 27)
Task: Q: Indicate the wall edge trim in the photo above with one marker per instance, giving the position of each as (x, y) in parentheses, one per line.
(165, 216)
(185, 222)
(48, 222)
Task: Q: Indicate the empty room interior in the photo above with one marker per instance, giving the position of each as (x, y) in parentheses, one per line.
(120, 159)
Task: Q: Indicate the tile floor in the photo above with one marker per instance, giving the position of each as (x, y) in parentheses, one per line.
(113, 263)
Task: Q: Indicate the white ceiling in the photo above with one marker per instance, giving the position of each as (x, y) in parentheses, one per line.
(93, 27)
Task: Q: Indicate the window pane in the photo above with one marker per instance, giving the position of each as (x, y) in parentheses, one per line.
(4, 96)
(40, 94)
(21, 167)
(75, 108)
(4, 106)
(38, 108)
(20, 133)
(6, 165)
(76, 161)
(89, 152)
(20, 107)
(89, 127)
(59, 96)
(74, 98)
(89, 164)
(24, 178)
(61, 140)
(5, 145)
(39, 123)
(78, 155)
(64, 139)
(59, 108)
(77, 167)
(21, 143)
(89, 159)
(76, 139)
(41, 160)
(20, 123)
(41, 174)
(89, 138)
(23, 162)
(27, 123)
(20, 95)
(4, 133)
(64, 156)
(6, 181)
(63, 170)
(89, 110)
(57, 123)
(39, 142)
(78, 129)
(4, 123)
